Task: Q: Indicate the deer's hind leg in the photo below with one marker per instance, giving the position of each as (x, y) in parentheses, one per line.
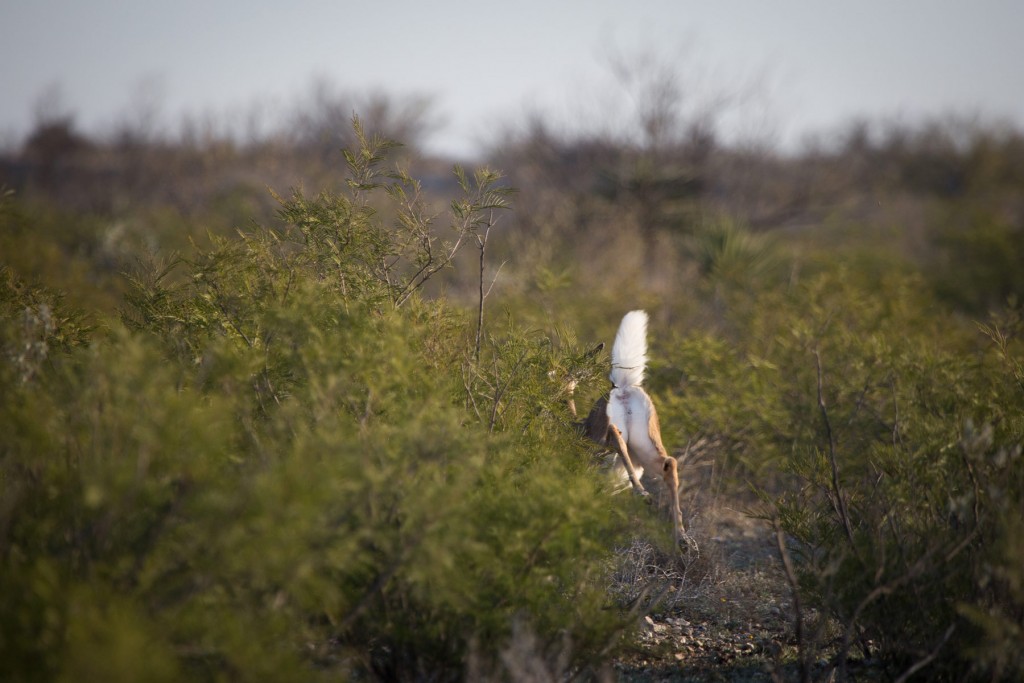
(669, 468)
(619, 444)
(599, 428)
(670, 474)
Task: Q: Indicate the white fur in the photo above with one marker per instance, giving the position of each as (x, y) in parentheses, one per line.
(629, 406)
(633, 420)
(629, 352)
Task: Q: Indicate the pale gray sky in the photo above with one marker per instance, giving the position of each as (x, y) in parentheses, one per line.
(820, 62)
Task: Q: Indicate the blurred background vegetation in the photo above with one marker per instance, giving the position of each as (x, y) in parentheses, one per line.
(275, 410)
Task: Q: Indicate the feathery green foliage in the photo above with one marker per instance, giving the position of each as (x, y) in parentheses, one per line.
(286, 465)
(898, 441)
(285, 462)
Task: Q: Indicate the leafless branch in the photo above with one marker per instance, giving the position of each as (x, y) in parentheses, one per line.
(838, 499)
(928, 659)
(481, 240)
(798, 615)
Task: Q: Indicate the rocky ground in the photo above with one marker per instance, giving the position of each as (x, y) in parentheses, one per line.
(725, 615)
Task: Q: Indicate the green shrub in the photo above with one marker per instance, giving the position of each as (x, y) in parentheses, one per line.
(904, 453)
(286, 465)
(884, 439)
(979, 252)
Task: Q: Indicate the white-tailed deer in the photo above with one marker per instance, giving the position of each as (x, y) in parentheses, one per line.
(627, 421)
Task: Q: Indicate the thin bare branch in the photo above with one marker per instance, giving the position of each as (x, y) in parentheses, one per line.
(798, 615)
(481, 239)
(925, 661)
(838, 499)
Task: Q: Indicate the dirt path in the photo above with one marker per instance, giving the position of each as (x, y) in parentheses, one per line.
(726, 616)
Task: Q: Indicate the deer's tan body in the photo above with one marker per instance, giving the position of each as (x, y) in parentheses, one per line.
(627, 420)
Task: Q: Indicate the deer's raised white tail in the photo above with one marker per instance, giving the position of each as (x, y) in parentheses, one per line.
(628, 422)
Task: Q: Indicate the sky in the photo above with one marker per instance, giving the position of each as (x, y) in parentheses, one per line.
(802, 67)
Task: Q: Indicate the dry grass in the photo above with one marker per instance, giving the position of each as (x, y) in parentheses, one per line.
(720, 614)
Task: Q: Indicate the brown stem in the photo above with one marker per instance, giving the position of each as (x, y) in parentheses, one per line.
(838, 499)
(798, 615)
